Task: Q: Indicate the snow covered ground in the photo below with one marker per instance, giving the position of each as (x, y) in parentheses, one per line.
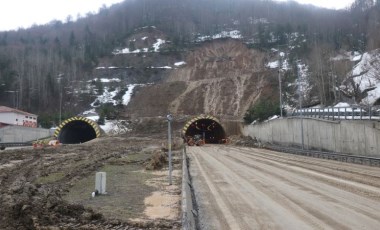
(111, 127)
(115, 127)
(352, 56)
(106, 97)
(368, 70)
(282, 60)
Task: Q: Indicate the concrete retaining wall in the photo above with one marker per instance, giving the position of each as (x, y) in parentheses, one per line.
(232, 127)
(22, 134)
(350, 137)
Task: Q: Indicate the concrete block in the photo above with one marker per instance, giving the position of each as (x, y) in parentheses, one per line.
(100, 182)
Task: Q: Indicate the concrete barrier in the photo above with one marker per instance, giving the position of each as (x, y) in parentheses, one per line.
(22, 134)
(189, 218)
(349, 137)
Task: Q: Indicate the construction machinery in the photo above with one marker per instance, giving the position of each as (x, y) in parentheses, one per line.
(195, 140)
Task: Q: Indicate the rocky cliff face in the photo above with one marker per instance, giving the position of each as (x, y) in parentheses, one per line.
(221, 78)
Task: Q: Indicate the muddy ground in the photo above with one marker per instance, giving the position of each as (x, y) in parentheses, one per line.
(50, 188)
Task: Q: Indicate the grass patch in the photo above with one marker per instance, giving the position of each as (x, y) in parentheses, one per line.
(126, 191)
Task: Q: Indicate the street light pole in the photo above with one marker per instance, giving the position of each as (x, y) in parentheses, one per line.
(169, 117)
(60, 105)
(60, 97)
(280, 54)
(279, 82)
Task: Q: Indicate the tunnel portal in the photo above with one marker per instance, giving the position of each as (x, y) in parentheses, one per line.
(208, 127)
(77, 130)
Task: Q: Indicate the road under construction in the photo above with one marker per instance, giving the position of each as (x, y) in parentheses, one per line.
(248, 188)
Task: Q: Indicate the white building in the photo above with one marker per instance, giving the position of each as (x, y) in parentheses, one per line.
(10, 116)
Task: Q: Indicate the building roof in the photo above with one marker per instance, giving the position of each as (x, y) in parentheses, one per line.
(4, 109)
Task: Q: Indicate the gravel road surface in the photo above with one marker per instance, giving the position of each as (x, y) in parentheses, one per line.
(247, 188)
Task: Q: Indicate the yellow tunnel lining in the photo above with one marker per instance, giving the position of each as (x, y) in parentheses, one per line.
(196, 119)
(88, 121)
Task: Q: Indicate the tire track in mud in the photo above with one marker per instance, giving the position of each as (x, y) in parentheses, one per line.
(283, 186)
(335, 178)
(310, 189)
(307, 215)
(252, 201)
(325, 164)
(257, 217)
(230, 219)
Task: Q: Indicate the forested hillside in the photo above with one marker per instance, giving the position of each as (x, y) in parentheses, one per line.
(39, 62)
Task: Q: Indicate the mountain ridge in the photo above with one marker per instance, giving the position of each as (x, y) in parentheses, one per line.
(31, 59)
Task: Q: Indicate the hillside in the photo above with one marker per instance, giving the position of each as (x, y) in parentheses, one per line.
(191, 57)
(221, 78)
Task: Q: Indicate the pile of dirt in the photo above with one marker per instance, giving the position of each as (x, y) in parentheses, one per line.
(246, 141)
(158, 160)
(26, 206)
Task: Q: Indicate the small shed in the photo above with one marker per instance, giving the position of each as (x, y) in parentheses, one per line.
(11, 116)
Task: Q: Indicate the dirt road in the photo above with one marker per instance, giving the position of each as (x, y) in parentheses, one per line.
(246, 188)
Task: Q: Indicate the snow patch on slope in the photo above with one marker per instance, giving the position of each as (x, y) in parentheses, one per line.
(224, 34)
(106, 80)
(106, 97)
(115, 127)
(128, 94)
(368, 70)
(180, 63)
(352, 56)
(155, 48)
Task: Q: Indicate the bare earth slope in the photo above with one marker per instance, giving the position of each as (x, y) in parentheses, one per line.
(245, 188)
(221, 78)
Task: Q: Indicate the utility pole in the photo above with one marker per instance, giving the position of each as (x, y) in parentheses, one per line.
(169, 117)
(280, 55)
(279, 79)
(300, 102)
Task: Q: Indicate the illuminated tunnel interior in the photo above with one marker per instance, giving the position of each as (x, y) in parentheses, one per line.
(75, 132)
(211, 130)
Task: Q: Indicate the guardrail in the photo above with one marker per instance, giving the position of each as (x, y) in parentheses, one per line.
(340, 113)
(371, 161)
(14, 144)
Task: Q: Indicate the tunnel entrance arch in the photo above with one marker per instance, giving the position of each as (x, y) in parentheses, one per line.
(208, 127)
(77, 130)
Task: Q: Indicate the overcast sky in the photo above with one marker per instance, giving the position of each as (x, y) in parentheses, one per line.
(16, 14)
(333, 4)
